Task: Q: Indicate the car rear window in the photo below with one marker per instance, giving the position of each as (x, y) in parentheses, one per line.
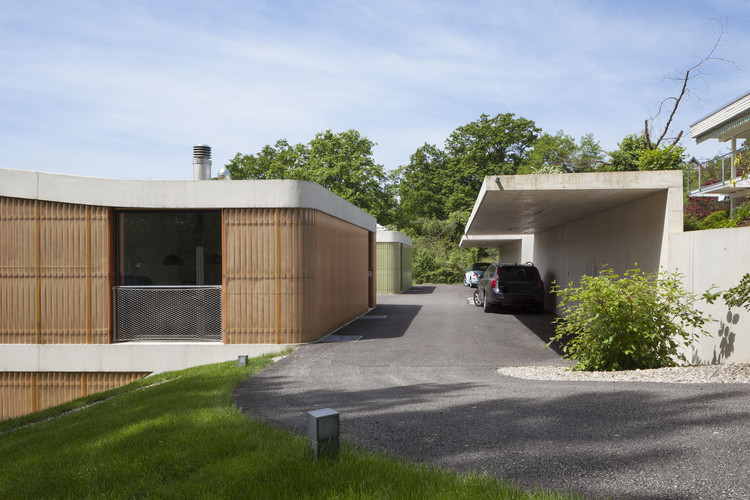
(517, 274)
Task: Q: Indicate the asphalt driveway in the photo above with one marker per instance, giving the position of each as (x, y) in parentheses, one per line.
(421, 383)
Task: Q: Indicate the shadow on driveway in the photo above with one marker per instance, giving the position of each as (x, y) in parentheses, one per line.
(422, 383)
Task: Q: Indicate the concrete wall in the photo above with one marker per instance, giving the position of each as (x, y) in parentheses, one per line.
(635, 232)
(716, 257)
(518, 251)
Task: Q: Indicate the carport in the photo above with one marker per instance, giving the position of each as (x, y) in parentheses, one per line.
(572, 225)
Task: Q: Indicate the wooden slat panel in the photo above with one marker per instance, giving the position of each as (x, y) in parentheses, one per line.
(291, 275)
(17, 283)
(341, 281)
(53, 273)
(23, 393)
(15, 394)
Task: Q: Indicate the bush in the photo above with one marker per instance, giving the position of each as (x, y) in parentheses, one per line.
(716, 220)
(739, 296)
(636, 321)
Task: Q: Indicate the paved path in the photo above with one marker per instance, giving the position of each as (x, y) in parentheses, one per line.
(421, 384)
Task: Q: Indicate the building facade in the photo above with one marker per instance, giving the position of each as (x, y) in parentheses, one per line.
(104, 281)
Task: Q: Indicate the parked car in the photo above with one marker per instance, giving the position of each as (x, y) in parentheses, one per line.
(510, 285)
(474, 274)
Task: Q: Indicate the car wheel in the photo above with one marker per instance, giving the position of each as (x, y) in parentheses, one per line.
(477, 302)
(487, 306)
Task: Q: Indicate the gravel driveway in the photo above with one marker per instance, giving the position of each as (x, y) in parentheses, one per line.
(422, 383)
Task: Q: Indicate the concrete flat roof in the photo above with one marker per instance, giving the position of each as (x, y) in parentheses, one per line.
(489, 240)
(178, 195)
(513, 205)
(392, 237)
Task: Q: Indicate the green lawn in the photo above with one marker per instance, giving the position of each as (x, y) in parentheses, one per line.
(179, 435)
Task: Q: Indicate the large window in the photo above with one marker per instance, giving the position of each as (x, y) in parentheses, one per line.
(169, 248)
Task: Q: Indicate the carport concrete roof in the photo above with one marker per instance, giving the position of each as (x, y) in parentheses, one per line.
(512, 205)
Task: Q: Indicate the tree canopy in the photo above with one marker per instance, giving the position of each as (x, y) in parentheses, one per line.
(634, 154)
(342, 162)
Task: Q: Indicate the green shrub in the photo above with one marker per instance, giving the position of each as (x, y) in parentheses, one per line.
(739, 296)
(636, 321)
(716, 220)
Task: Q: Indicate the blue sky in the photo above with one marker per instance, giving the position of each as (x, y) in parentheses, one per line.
(124, 89)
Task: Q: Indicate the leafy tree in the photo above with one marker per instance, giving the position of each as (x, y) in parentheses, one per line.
(488, 146)
(421, 185)
(671, 157)
(589, 155)
(550, 154)
(280, 161)
(436, 257)
(628, 154)
(341, 162)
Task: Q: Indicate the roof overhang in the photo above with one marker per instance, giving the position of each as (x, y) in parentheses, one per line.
(514, 205)
(179, 195)
(385, 236)
(730, 121)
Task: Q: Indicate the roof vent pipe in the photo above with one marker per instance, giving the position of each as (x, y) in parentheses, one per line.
(201, 162)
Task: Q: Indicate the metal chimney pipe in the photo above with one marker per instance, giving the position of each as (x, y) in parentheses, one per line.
(201, 162)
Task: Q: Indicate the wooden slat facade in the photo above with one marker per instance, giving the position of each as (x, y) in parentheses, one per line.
(26, 392)
(53, 273)
(291, 275)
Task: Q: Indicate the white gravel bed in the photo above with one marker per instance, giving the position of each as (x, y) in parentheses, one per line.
(735, 373)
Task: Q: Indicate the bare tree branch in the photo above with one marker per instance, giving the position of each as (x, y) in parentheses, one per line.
(672, 103)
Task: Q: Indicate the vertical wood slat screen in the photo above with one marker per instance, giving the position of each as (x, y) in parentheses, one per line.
(23, 392)
(53, 273)
(291, 275)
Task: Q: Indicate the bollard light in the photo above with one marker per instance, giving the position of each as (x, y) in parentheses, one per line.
(242, 360)
(323, 432)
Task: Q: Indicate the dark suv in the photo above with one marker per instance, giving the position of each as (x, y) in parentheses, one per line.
(510, 284)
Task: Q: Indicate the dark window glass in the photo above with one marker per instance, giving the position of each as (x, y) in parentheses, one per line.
(169, 248)
(516, 274)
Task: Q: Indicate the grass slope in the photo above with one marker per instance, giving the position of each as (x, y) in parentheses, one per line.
(179, 435)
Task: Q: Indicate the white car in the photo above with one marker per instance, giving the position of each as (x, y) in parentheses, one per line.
(475, 273)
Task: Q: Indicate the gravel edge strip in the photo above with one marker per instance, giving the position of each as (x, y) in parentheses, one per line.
(731, 373)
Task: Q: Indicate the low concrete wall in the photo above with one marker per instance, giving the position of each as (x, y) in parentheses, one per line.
(153, 357)
(717, 257)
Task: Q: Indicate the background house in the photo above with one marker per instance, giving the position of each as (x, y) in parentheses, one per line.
(394, 261)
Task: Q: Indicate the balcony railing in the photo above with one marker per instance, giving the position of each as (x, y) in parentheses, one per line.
(184, 313)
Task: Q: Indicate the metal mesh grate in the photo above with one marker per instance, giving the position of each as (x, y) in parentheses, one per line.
(167, 313)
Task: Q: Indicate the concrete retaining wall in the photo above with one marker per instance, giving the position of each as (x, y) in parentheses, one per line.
(717, 257)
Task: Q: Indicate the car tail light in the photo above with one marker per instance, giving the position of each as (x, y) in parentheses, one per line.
(494, 283)
(540, 283)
